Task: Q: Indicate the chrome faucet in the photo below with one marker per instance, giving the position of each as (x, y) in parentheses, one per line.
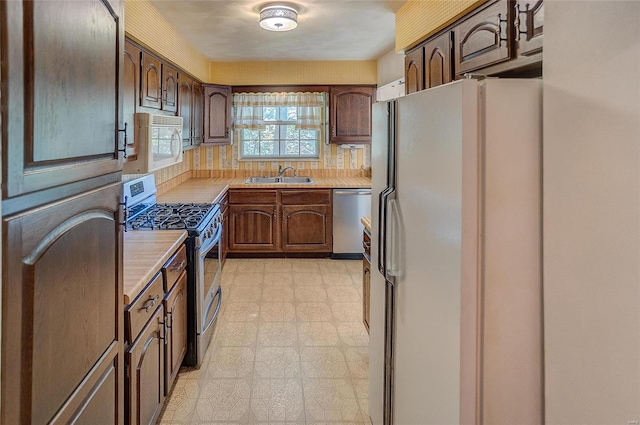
(282, 170)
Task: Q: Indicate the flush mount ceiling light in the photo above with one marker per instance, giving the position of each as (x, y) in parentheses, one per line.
(278, 18)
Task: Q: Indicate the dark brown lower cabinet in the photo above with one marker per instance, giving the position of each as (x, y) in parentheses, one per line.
(253, 228)
(306, 228)
(62, 313)
(145, 360)
(176, 346)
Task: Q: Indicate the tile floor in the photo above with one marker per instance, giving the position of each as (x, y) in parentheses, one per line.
(289, 348)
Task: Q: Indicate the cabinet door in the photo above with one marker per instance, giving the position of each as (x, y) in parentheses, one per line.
(176, 346)
(366, 292)
(225, 235)
(185, 102)
(145, 373)
(437, 54)
(217, 113)
(253, 228)
(529, 26)
(60, 110)
(197, 114)
(169, 88)
(307, 228)
(484, 38)
(350, 114)
(63, 312)
(151, 95)
(414, 70)
(130, 95)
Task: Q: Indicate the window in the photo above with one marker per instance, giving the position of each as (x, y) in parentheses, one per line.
(279, 125)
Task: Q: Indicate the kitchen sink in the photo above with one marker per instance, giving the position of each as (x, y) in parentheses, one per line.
(270, 180)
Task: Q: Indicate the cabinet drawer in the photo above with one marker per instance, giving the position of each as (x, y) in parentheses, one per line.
(143, 307)
(305, 197)
(224, 203)
(253, 197)
(172, 269)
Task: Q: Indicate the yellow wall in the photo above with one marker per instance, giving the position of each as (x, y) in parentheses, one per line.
(294, 72)
(143, 22)
(418, 19)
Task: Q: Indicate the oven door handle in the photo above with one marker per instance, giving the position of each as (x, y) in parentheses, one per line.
(215, 314)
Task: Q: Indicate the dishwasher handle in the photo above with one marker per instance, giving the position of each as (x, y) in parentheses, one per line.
(352, 192)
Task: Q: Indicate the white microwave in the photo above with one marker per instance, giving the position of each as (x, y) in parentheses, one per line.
(159, 139)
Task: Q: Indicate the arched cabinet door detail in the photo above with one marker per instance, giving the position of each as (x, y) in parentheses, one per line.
(217, 115)
(350, 114)
(438, 60)
(414, 70)
(529, 20)
(306, 228)
(254, 227)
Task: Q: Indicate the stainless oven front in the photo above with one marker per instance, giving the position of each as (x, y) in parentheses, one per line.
(208, 267)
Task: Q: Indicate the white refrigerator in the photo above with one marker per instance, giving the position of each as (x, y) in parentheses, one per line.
(456, 313)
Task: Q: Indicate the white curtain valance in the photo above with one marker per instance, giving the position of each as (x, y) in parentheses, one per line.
(248, 108)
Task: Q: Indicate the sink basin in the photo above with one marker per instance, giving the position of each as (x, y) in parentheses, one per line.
(271, 180)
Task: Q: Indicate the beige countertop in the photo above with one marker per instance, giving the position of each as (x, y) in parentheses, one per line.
(207, 190)
(366, 222)
(145, 252)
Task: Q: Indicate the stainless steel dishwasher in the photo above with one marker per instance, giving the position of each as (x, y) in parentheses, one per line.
(349, 206)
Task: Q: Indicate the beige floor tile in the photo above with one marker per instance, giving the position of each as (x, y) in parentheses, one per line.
(235, 334)
(240, 312)
(318, 334)
(339, 294)
(310, 294)
(277, 293)
(224, 400)
(244, 294)
(361, 387)
(337, 279)
(307, 279)
(357, 361)
(277, 312)
(277, 334)
(347, 312)
(353, 334)
(277, 362)
(278, 265)
(323, 362)
(251, 265)
(313, 312)
(278, 278)
(231, 362)
(354, 266)
(277, 400)
(248, 279)
(331, 400)
(306, 266)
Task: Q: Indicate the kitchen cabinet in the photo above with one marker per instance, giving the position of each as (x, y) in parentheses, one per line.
(414, 70)
(197, 114)
(185, 105)
(437, 61)
(62, 269)
(350, 113)
(60, 127)
(159, 84)
(218, 104)
(130, 95)
(366, 279)
(484, 38)
(284, 220)
(169, 88)
(62, 312)
(529, 22)
(175, 304)
(306, 220)
(224, 208)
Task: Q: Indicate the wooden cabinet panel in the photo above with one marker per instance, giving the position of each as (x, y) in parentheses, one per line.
(307, 228)
(414, 70)
(62, 289)
(366, 292)
(529, 19)
(151, 84)
(304, 197)
(174, 268)
(145, 360)
(253, 197)
(350, 114)
(484, 38)
(253, 228)
(437, 54)
(185, 103)
(176, 346)
(197, 114)
(139, 312)
(217, 112)
(224, 205)
(130, 95)
(169, 88)
(54, 108)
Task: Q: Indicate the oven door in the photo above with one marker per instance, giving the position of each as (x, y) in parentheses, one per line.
(208, 292)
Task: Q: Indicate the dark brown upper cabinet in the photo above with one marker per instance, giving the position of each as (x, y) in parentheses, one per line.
(169, 88)
(485, 38)
(529, 22)
(61, 104)
(350, 113)
(437, 54)
(217, 112)
(414, 70)
(130, 95)
(185, 104)
(151, 88)
(197, 114)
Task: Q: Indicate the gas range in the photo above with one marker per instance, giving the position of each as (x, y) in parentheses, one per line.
(195, 218)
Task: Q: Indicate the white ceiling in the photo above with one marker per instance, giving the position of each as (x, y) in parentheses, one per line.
(227, 31)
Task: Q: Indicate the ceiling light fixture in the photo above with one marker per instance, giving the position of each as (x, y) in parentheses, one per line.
(278, 18)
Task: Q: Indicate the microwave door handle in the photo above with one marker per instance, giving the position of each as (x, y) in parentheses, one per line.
(175, 139)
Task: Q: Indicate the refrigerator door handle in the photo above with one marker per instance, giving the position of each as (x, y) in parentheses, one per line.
(393, 266)
(382, 232)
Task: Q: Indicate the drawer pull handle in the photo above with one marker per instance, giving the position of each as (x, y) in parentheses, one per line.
(179, 266)
(150, 303)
